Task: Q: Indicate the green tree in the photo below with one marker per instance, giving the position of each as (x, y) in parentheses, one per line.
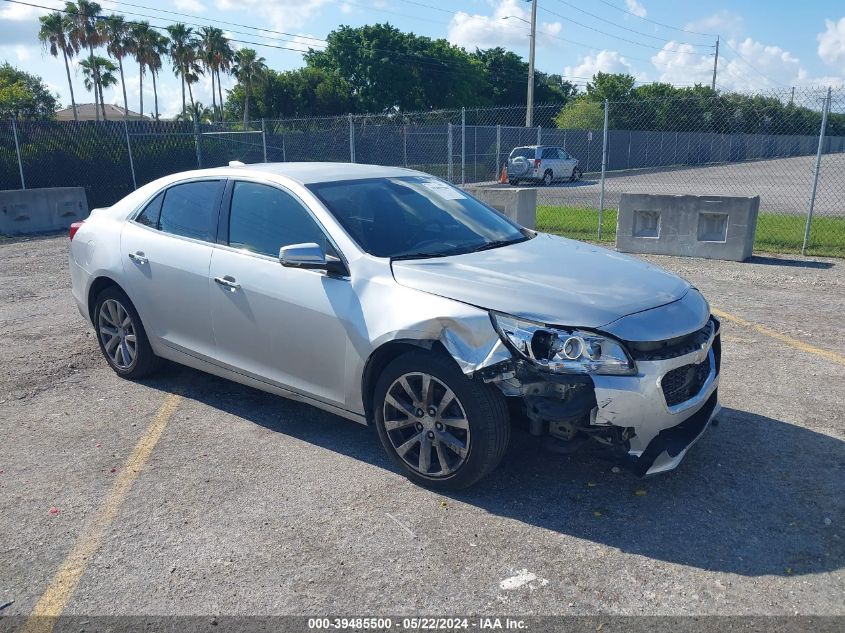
(389, 69)
(506, 74)
(614, 87)
(98, 74)
(581, 114)
(295, 93)
(249, 69)
(54, 36)
(116, 35)
(24, 96)
(84, 33)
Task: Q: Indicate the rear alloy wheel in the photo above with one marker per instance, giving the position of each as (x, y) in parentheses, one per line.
(548, 177)
(121, 335)
(441, 428)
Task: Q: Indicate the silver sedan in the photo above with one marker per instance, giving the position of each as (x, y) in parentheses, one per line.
(392, 298)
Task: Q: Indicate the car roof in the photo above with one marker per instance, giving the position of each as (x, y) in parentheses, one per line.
(305, 173)
(537, 147)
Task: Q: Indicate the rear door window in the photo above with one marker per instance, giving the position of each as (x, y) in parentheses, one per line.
(190, 209)
(550, 153)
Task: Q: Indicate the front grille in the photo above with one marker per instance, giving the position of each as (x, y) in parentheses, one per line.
(682, 383)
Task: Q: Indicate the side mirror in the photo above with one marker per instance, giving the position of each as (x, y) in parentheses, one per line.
(307, 255)
(311, 257)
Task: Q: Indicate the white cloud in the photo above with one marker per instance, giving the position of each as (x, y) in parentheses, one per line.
(751, 65)
(680, 63)
(189, 5)
(832, 43)
(636, 8)
(604, 61)
(724, 22)
(505, 27)
(278, 14)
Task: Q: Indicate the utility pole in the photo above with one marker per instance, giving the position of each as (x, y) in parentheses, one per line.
(715, 64)
(529, 110)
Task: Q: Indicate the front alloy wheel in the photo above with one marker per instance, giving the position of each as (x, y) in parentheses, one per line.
(426, 424)
(440, 427)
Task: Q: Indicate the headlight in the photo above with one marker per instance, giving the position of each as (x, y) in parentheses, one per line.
(563, 351)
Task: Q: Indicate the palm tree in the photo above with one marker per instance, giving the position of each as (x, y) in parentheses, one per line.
(140, 35)
(116, 34)
(158, 47)
(225, 57)
(249, 69)
(54, 37)
(99, 74)
(198, 110)
(209, 37)
(82, 18)
(183, 53)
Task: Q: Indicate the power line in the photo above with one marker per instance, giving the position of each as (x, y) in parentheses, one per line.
(618, 37)
(665, 26)
(624, 28)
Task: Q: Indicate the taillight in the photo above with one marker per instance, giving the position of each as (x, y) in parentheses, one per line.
(74, 228)
(536, 163)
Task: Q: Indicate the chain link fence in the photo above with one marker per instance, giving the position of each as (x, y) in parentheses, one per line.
(787, 147)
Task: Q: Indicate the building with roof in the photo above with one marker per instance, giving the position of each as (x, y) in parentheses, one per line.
(87, 112)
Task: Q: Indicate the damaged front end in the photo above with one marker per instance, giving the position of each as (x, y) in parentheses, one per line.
(643, 402)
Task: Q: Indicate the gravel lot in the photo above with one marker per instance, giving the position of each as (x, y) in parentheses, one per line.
(783, 185)
(252, 504)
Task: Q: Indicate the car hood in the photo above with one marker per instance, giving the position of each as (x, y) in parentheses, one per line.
(548, 279)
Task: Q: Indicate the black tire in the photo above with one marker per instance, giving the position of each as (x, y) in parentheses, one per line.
(576, 174)
(513, 182)
(548, 177)
(484, 407)
(145, 362)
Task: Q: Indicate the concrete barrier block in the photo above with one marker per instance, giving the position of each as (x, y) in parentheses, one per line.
(518, 203)
(715, 227)
(25, 211)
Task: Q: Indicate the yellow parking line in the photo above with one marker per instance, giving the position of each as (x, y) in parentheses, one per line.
(783, 338)
(58, 593)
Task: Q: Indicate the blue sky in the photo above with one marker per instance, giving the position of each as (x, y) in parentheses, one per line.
(765, 45)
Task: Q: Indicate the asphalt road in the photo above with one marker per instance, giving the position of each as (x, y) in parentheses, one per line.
(783, 184)
(123, 498)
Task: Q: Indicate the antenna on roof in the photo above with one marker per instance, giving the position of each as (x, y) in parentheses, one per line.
(236, 163)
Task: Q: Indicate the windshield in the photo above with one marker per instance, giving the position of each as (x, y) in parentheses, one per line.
(414, 216)
(524, 152)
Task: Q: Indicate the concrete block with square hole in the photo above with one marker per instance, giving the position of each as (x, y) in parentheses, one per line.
(715, 227)
(518, 203)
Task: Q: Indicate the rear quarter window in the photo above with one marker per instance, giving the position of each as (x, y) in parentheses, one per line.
(151, 213)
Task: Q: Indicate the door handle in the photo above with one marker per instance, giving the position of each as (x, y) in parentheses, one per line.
(228, 282)
(138, 258)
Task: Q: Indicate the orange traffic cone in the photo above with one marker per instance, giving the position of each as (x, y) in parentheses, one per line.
(503, 179)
